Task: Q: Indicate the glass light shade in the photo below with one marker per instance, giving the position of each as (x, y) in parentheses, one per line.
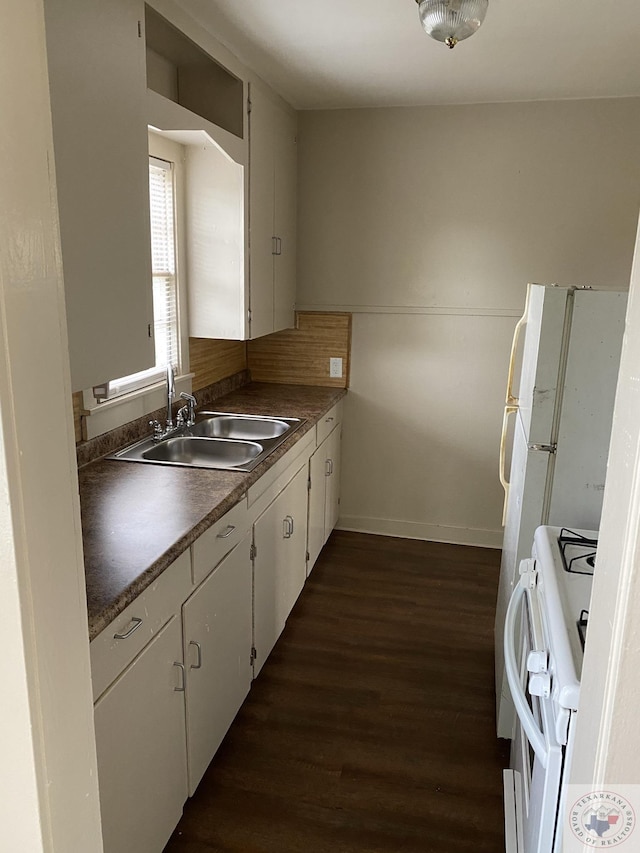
(450, 21)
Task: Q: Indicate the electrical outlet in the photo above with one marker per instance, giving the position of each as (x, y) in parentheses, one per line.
(335, 368)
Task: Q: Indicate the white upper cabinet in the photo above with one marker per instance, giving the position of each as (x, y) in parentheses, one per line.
(262, 209)
(285, 219)
(197, 96)
(216, 244)
(97, 78)
(117, 68)
(272, 218)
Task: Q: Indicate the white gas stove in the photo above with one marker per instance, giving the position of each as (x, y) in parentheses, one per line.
(545, 631)
(564, 561)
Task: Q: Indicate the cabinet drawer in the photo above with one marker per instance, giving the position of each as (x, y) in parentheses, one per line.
(115, 647)
(329, 422)
(218, 541)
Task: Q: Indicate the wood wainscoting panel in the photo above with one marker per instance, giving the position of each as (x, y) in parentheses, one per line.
(213, 360)
(301, 356)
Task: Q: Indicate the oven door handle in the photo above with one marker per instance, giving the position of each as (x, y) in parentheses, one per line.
(529, 724)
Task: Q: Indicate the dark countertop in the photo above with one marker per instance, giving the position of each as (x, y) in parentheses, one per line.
(138, 518)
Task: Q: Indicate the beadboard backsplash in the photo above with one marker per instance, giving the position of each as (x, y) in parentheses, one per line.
(300, 356)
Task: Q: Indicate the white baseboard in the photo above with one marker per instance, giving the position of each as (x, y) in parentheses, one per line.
(417, 530)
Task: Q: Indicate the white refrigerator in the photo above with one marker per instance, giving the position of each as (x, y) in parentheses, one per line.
(558, 414)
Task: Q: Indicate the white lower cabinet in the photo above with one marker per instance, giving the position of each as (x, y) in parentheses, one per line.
(172, 670)
(217, 653)
(324, 494)
(280, 540)
(332, 481)
(142, 764)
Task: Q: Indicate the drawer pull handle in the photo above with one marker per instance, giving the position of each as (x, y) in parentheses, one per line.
(135, 624)
(287, 525)
(227, 531)
(328, 420)
(328, 468)
(180, 666)
(199, 649)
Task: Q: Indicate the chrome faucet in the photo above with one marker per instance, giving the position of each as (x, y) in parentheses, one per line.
(171, 393)
(160, 432)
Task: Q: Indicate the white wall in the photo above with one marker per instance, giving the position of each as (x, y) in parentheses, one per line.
(48, 785)
(428, 223)
(608, 735)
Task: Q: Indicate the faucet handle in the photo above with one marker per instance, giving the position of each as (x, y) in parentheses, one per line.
(182, 418)
(192, 405)
(156, 426)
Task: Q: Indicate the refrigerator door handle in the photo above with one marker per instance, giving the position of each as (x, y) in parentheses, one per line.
(511, 400)
(508, 410)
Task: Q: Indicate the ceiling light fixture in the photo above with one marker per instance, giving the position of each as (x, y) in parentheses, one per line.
(450, 21)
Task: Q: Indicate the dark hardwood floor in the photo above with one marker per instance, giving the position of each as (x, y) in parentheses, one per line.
(371, 727)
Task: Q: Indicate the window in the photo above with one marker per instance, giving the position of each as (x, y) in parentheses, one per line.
(165, 297)
(163, 261)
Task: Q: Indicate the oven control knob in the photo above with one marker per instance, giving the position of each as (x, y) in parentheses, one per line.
(537, 661)
(540, 685)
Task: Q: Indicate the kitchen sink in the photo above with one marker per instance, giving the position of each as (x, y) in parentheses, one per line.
(191, 450)
(218, 440)
(252, 427)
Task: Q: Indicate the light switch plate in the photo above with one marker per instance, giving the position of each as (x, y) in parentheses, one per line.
(335, 368)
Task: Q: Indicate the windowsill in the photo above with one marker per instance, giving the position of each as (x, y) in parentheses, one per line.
(102, 417)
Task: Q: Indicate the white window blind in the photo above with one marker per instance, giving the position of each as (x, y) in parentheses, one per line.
(163, 262)
(165, 297)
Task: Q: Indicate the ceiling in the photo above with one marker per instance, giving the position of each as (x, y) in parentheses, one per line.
(355, 53)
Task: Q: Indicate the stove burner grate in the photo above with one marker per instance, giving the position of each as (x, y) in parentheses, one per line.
(582, 626)
(578, 552)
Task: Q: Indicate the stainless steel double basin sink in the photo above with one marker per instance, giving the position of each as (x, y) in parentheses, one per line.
(218, 440)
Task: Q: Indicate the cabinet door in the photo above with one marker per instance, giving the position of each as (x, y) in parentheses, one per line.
(140, 740)
(332, 468)
(217, 638)
(324, 494)
(97, 79)
(317, 492)
(214, 199)
(292, 546)
(284, 287)
(280, 536)
(261, 211)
